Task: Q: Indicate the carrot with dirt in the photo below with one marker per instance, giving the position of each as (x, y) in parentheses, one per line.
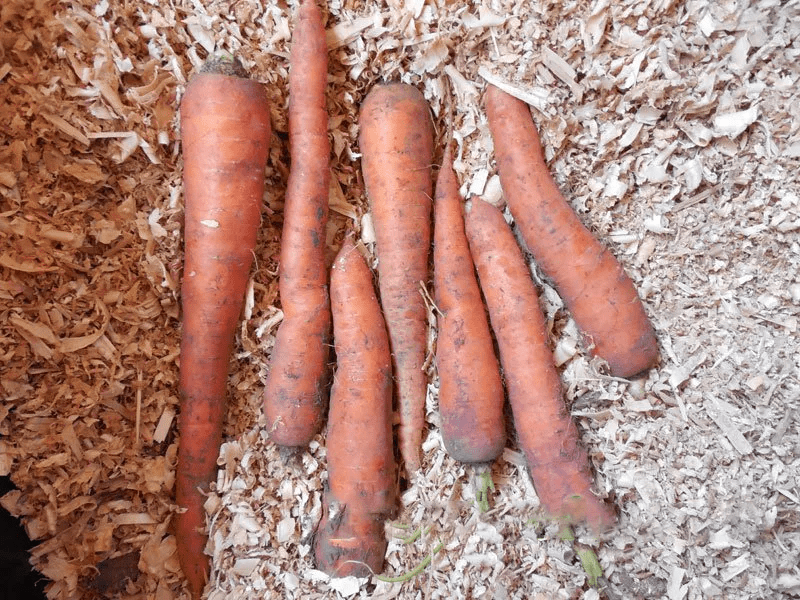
(396, 142)
(225, 130)
(592, 283)
(361, 490)
(559, 466)
(470, 390)
(296, 390)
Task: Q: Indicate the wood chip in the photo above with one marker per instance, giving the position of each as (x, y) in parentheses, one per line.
(727, 426)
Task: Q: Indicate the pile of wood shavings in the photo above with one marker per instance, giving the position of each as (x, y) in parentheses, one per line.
(672, 127)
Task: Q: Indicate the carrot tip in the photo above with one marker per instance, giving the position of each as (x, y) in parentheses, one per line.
(224, 64)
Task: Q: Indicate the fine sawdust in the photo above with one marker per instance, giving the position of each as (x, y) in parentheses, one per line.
(672, 127)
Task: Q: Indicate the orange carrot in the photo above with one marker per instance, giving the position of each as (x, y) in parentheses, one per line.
(470, 390)
(558, 464)
(225, 129)
(396, 141)
(595, 288)
(296, 391)
(361, 491)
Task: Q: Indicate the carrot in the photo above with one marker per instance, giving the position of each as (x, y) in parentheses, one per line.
(594, 286)
(470, 390)
(558, 464)
(396, 141)
(225, 129)
(296, 391)
(361, 490)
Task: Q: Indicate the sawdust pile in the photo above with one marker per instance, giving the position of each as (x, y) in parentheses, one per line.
(672, 127)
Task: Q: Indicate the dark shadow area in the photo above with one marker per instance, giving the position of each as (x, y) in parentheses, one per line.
(18, 580)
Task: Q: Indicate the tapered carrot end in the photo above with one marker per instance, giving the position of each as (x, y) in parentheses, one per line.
(447, 156)
(194, 563)
(504, 110)
(446, 182)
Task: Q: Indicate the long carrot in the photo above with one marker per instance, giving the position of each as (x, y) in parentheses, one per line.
(225, 129)
(396, 141)
(592, 283)
(296, 391)
(558, 464)
(470, 390)
(361, 490)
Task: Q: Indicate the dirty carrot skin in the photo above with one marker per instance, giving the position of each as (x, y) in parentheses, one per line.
(361, 491)
(592, 283)
(296, 391)
(396, 142)
(559, 466)
(225, 130)
(470, 390)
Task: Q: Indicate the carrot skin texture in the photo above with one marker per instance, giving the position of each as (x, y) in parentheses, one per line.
(396, 142)
(225, 128)
(296, 391)
(592, 283)
(361, 491)
(470, 389)
(559, 466)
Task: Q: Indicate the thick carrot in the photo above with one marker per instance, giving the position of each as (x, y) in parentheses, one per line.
(558, 464)
(361, 491)
(396, 141)
(225, 129)
(592, 283)
(296, 391)
(470, 390)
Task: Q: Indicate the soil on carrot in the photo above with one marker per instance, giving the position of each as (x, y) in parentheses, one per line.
(670, 127)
